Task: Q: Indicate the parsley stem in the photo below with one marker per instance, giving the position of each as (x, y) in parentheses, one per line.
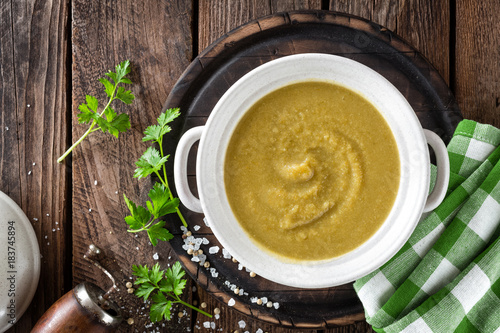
(63, 156)
(160, 140)
(193, 307)
(111, 99)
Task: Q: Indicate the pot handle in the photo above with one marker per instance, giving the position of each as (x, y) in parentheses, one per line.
(180, 169)
(443, 171)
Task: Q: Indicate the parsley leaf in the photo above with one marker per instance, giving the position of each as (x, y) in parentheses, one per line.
(160, 308)
(86, 115)
(125, 96)
(161, 204)
(157, 232)
(108, 86)
(150, 162)
(156, 132)
(111, 122)
(142, 218)
(164, 288)
(92, 102)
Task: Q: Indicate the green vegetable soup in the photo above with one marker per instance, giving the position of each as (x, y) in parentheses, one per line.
(311, 171)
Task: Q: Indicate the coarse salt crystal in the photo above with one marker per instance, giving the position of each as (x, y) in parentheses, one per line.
(155, 256)
(196, 227)
(212, 325)
(217, 316)
(6, 128)
(90, 209)
(53, 230)
(29, 172)
(226, 254)
(253, 299)
(203, 258)
(47, 214)
(264, 300)
(35, 219)
(95, 182)
(231, 302)
(205, 241)
(276, 305)
(241, 292)
(259, 331)
(46, 236)
(206, 324)
(206, 222)
(242, 324)
(213, 249)
(240, 267)
(183, 228)
(195, 259)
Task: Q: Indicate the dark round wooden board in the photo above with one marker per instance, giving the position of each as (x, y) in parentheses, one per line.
(238, 52)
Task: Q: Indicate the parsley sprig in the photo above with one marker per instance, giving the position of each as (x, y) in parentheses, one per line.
(106, 120)
(164, 288)
(162, 201)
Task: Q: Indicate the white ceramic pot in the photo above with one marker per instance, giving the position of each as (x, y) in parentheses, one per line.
(411, 201)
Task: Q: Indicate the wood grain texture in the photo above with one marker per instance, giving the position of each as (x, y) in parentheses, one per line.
(477, 65)
(217, 18)
(424, 24)
(33, 124)
(156, 38)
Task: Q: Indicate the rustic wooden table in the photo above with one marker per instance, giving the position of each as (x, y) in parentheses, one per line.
(53, 52)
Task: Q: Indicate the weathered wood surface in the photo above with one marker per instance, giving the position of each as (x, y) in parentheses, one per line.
(52, 53)
(33, 127)
(156, 38)
(476, 62)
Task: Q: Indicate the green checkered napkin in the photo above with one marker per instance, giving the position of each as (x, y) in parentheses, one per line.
(446, 278)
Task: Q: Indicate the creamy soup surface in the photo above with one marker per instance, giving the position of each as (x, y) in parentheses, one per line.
(312, 171)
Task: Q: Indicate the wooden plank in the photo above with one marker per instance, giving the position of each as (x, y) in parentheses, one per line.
(361, 8)
(156, 37)
(424, 24)
(477, 83)
(33, 51)
(217, 18)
